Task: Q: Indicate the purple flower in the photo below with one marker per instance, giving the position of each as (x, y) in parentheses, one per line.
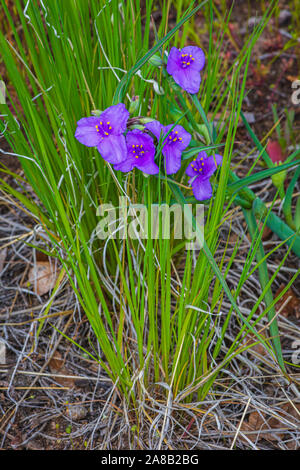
(105, 133)
(140, 153)
(185, 67)
(200, 170)
(173, 144)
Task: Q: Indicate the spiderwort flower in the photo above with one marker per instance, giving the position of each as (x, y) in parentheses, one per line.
(105, 132)
(140, 153)
(185, 67)
(200, 170)
(173, 144)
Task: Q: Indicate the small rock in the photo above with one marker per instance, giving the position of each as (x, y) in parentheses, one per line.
(76, 412)
(251, 24)
(284, 18)
(254, 21)
(250, 117)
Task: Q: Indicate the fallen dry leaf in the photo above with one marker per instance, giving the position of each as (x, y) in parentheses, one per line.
(262, 422)
(292, 308)
(43, 277)
(56, 366)
(267, 233)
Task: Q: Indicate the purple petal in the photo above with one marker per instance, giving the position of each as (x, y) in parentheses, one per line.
(113, 148)
(172, 158)
(202, 154)
(126, 165)
(188, 79)
(197, 54)
(87, 135)
(190, 170)
(147, 165)
(210, 166)
(88, 121)
(186, 137)
(218, 159)
(202, 189)
(156, 128)
(173, 60)
(117, 116)
(137, 137)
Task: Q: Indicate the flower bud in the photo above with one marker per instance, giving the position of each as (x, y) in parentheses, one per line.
(134, 105)
(202, 129)
(155, 60)
(145, 120)
(279, 178)
(96, 112)
(137, 126)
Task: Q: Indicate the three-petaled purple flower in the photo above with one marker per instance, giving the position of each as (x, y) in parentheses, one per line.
(106, 133)
(200, 170)
(185, 65)
(140, 153)
(174, 143)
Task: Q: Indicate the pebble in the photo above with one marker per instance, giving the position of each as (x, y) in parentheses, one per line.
(76, 412)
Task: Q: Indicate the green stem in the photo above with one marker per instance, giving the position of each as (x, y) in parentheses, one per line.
(287, 203)
(278, 226)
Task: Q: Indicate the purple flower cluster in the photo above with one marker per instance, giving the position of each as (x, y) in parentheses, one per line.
(106, 132)
(137, 149)
(131, 149)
